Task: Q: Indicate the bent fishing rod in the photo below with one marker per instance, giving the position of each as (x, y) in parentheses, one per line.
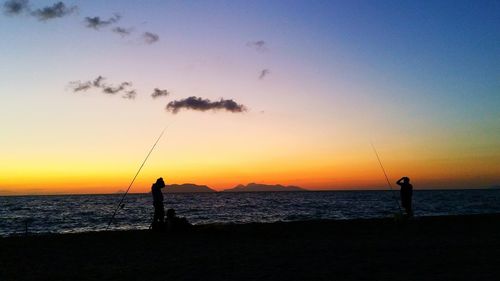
(387, 179)
(133, 180)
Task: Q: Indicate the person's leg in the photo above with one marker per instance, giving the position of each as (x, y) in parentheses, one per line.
(158, 216)
(407, 207)
(161, 214)
(410, 209)
(155, 217)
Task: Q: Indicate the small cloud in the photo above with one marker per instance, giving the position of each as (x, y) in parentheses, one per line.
(97, 23)
(199, 104)
(78, 86)
(159, 93)
(98, 81)
(150, 38)
(130, 95)
(15, 7)
(264, 73)
(260, 45)
(122, 31)
(115, 89)
(58, 10)
(111, 90)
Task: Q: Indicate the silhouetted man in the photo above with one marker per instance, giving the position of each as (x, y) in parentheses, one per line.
(406, 194)
(159, 216)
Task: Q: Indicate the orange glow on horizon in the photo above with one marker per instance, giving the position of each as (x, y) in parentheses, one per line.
(101, 164)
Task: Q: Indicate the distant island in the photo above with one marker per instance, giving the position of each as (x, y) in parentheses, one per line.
(251, 187)
(256, 187)
(187, 187)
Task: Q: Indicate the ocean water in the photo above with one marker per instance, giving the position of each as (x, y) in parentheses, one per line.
(79, 213)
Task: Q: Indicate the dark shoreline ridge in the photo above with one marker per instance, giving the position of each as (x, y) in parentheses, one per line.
(427, 248)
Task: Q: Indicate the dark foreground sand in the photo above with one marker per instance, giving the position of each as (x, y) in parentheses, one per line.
(438, 248)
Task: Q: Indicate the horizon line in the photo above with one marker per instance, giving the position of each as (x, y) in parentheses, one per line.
(286, 191)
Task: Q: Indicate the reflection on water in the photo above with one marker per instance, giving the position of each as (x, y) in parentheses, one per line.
(78, 213)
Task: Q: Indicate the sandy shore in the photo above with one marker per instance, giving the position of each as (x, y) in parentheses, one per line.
(433, 248)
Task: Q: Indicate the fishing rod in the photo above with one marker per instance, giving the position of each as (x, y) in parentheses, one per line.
(387, 179)
(133, 180)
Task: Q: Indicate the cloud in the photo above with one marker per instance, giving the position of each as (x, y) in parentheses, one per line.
(58, 10)
(150, 38)
(78, 86)
(111, 89)
(97, 23)
(130, 94)
(115, 89)
(260, 45)
(199, 104)
(15, 7)
(159, 93)
(264, 73)
(122, 31)
(98, 83)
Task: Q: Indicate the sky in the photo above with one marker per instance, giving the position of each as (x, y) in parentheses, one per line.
(284, 92)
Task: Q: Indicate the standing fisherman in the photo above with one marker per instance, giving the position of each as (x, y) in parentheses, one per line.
(159, 216)
(406, 194)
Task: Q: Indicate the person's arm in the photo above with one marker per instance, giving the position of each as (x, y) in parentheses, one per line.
(399, 181)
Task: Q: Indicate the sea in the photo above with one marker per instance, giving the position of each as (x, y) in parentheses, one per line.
(20, 215)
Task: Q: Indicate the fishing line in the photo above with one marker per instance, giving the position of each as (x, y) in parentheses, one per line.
(388, 182)
(133, 180)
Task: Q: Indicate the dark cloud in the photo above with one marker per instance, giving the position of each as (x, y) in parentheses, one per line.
(150, 38)
(58, 10)
(15, 7)
(78, 86)
(97, 22)
(112, 90)
(197, 103)
(98, 81)
(260, 45)
(115, 89)
(122, 31)
(264, 73)
(159, 93)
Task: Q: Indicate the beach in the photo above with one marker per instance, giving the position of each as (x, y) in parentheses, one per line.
(426, 248)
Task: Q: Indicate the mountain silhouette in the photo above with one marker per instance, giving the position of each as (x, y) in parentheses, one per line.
(187, 187)
(255, 187)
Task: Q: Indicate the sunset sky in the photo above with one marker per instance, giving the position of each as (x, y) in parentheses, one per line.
(321, 80)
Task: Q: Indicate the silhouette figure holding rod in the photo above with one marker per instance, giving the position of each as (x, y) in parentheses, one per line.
(406, 194)
(159, 215)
